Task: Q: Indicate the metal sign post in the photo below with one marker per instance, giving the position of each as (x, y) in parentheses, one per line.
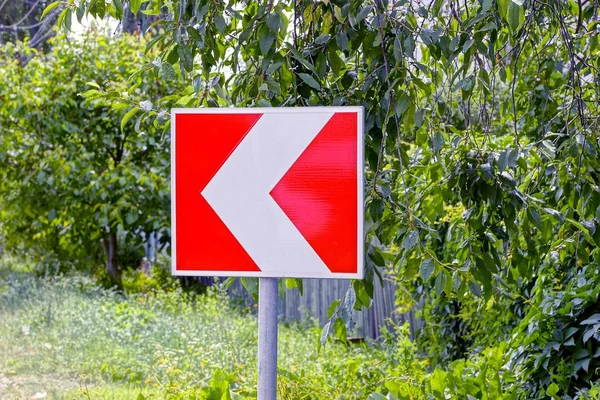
(267, 338)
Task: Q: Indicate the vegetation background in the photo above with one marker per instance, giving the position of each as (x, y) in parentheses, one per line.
(482, 201)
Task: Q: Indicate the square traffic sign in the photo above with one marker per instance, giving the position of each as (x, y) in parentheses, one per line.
(267, 192)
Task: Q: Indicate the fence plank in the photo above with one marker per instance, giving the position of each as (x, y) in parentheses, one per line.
(320, 293)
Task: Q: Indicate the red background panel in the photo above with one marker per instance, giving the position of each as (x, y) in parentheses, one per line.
(203, 143)
(319, 193)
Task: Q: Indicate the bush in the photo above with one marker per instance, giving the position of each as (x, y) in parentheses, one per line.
(79, 182)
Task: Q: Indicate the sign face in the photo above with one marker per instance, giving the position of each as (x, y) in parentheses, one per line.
(267, 192)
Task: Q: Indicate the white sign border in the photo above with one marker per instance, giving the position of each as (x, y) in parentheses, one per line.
(262, 110)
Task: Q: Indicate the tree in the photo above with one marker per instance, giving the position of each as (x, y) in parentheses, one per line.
(481, 145)
(138, 21)
(77, 182)
(20, 19)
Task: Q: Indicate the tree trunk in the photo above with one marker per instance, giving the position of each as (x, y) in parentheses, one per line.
(130, 21)
(136, 23)
(109, 244)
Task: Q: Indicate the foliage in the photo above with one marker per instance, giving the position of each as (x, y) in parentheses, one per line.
(74, 177)
(481, 151)
(157, 278)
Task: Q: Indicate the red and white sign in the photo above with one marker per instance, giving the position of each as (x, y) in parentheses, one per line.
(267, 192)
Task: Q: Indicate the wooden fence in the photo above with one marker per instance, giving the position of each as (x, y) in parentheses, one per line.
(318, 294)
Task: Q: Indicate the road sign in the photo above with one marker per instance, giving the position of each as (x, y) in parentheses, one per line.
(268, 192)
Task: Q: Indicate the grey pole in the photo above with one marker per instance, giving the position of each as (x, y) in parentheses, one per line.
(267, 338)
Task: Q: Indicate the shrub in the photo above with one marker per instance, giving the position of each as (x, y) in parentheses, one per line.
(80, 186)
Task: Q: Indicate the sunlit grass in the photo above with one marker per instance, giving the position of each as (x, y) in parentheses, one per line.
(65, 337)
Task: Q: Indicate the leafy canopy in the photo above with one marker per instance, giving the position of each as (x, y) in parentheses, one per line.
(73, 174)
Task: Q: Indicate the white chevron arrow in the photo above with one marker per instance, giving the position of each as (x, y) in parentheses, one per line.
(239, 193)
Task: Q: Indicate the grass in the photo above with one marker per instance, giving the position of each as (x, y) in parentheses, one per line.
(67, 338)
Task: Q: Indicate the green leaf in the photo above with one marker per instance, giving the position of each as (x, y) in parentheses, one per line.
(426, 269)
(220, 23)
(251, 285)
(410, 240)
(594, 319)
(549, 149)
(193, 32)
(362, 296)
(68, 14)
(91, 94)
(185, 56)
(349, 299)
(403, 104)
(583, 229)
(332, 307)
(337, 11)
(456, 281)
(534, 216)
(296, 54)
(325, 333)
(487, 27)
(273, 23)
(226, 284)
(503, 7)
(203, 11)
(516, 16)
(486, 5)
(273, 67)
(309, 80)
(49, 8)
(335, 61)
(503, 161)
(294, 283)
(377, 257)
(342, 40)
(266, 40)
(152, 42)
(173, 55)
(438, 142)
(273, 86)
(440, 283)
(438, 381)
(553, 390)
(101, 8)
(128, 116)
(582, 364)
(167, 72)
(131, 217)
(340, 331)
(589, 333)
(119, 7)
(475, 288)
(80, 12)
(134, 5)
(397, 50)
(264, 103)
(322, 39)
(363, 13)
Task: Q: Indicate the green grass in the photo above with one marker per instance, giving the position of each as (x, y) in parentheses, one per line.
(68, 338)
